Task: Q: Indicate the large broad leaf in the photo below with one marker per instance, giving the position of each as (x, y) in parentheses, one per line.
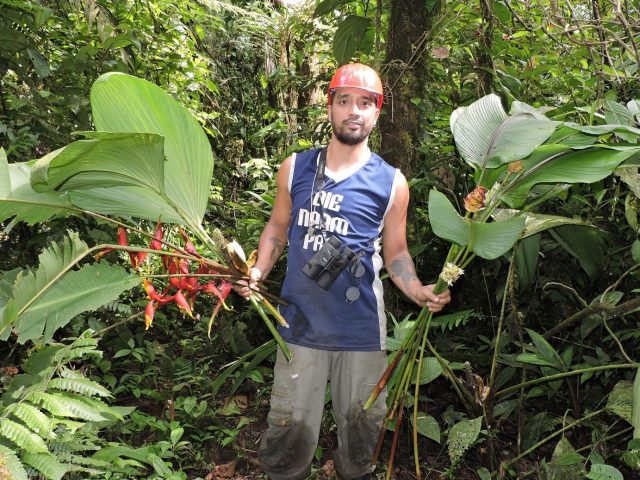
(487, 137)
(122, 103)
(527, 254)
(584, 243)
(18, 199)
(328, 6)
(348, 37)
(104, 160)
(47, 298)
(558, 164)
(487, 240)
(536, 222)
(603, 129)
(136, 202)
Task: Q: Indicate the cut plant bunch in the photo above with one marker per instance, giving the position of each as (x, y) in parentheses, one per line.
(519, 161)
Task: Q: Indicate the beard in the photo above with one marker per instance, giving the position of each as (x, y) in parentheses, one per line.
(348, 137)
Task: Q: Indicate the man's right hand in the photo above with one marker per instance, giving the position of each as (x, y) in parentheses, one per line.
(243, 289)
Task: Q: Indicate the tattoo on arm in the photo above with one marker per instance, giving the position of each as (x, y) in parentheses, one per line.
(402, 269)
(278, 246)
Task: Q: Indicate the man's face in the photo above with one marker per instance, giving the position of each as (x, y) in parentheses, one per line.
(353, 114)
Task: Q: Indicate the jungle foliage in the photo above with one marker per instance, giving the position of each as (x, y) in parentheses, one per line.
(115, 114)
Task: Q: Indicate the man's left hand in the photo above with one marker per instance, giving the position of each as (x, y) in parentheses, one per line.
(435, 303)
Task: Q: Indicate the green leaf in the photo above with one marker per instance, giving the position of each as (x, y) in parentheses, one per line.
(68, 405)
(461, 436)
(10, 461)
(46, 299)
(431, 369)
(328, 6)
(536, 222)
(349, 36)
(112, 452)
(32, 417)
(18, 199)
(552, 164)
(159, 466)
(125, 200)
(527, 254)
(445, 220)
(604, 472)
(546, 350)
(603, 129)
(104, 160)
(427, 426)
(535, 359)
(176, 434)
(122, 103)
(566, 463)
(83, 386)
(620, 400)
(22, 436)
(487, 137)
(46, 464)
(488, 240)
(585, 244)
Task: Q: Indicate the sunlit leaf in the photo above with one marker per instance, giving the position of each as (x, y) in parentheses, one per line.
(487, 137)
(18, 199)
(348, 37)
(103, 160)
(122, 103)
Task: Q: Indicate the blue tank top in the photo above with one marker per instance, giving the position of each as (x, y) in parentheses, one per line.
(353, 208)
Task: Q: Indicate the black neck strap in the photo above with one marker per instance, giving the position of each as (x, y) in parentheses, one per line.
(318, 181)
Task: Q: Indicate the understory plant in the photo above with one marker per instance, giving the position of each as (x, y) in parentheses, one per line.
(146, 170)
(519, 160)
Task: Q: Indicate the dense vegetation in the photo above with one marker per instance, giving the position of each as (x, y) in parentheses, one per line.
(532, 372)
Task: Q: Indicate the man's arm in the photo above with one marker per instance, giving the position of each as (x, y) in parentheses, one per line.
(398, 261)
(274, 236)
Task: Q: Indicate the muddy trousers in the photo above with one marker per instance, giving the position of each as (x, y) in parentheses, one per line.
(297, 403)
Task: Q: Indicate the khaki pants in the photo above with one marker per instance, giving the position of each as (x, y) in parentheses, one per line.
(297, 403)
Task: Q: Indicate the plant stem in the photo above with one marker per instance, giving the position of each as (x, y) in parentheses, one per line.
(558, 376)
(272, 329)
(550, 437)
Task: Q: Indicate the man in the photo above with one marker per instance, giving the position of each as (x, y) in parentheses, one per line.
(333, 207)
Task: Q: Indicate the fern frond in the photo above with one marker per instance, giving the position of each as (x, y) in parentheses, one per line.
(454, 320)
(11, 465)
(22, 436)
(83, 386)
(89, 461)
(119, 307)
(33, 417)
(46, 464)
(64, 405)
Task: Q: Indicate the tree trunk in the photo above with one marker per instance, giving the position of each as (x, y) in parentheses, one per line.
(403, 76)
